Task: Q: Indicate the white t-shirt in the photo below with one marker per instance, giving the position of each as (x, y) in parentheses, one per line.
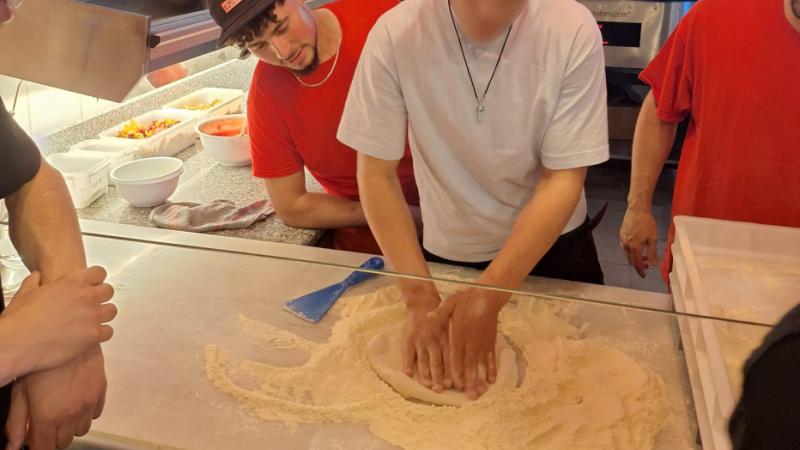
(546, 107)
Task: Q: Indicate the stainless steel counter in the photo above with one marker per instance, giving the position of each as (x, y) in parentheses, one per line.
(178, 292)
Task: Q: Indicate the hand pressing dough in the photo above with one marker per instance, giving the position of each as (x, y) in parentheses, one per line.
(577, 393)
(385, 355)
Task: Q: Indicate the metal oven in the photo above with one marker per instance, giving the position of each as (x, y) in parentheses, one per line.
(634, 30)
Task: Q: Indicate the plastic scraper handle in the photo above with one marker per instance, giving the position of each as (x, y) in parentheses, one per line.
(313, 307)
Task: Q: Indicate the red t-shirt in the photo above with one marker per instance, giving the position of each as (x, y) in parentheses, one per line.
(292, 125)
(734, 67)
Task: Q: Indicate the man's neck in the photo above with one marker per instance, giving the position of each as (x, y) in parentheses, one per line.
(458, 12)
(793, 13)
(329, 34)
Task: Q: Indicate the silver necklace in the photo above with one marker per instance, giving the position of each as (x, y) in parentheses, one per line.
(481, 100)
(330, 72)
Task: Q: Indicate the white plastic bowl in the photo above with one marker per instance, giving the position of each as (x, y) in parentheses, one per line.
(148, 182)
(227, 150)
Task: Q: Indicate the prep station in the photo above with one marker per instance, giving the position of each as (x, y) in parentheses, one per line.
(180, 293)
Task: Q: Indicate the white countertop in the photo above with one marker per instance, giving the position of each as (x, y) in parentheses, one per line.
(186, 292)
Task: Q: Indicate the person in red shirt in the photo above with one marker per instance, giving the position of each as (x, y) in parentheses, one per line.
(733, 67)
(307, 60)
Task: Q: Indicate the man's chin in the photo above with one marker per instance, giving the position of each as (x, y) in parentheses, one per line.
(6, 14)
(309, 67)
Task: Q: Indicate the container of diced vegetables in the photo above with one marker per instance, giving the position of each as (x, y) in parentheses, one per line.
(209, 102)
(157, 133)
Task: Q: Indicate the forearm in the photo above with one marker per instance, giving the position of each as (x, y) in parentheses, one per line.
(44, 226)
(652, 143)
(393, 226)
(538, 226)
(15, 355)
(319, 210)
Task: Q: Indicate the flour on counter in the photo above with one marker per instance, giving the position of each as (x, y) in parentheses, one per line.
(576, 393)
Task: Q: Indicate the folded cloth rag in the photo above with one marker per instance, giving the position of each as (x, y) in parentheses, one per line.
(213, 216)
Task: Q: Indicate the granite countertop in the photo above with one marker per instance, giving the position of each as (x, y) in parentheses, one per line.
(204, 180)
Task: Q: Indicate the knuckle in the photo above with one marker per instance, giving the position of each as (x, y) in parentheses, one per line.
(99, 271)
(74, 412)
(93, 335)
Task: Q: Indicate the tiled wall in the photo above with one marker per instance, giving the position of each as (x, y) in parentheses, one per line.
(42, 110)
(231, 74)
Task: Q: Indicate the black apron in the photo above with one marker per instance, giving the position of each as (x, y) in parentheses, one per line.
(573, 257)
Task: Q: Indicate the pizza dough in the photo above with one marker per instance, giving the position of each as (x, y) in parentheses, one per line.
(384, 353)
(577, 393)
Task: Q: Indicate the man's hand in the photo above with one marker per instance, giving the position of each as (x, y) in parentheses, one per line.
(639, 234)
(473, 330)
(53, 324)
(425, 348)
(53, 406)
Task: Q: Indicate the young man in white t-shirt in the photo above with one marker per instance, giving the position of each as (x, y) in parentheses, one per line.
(504, 104)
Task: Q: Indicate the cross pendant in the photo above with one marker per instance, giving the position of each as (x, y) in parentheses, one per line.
(480, 109)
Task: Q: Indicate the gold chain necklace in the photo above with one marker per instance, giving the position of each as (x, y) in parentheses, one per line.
(313, 85)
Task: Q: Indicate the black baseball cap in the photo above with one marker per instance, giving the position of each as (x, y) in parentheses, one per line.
(233, 15)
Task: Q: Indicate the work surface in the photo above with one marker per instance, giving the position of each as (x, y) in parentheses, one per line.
(204, 180)
(173, 302)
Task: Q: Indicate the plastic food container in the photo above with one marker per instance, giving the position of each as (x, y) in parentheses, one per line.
(733, 270)
(167, 142)
(148, 182)
(119, 152)
(222, 138)
(86, 176)
(209, 102)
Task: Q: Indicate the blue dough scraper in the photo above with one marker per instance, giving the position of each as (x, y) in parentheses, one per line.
(312, 307)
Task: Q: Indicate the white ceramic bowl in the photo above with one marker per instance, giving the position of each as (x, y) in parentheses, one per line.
(148, 182)
(230, 150)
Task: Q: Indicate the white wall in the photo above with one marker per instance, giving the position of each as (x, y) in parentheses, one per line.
(42, 110)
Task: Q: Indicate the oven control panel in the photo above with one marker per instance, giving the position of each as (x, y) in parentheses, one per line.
(634, 30)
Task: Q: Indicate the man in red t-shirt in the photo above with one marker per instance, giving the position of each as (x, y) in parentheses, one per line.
(733, 67)
(307, 60)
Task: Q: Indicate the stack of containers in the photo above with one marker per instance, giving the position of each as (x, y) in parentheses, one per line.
(118, 151)
(732, 270)
(86, 175)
